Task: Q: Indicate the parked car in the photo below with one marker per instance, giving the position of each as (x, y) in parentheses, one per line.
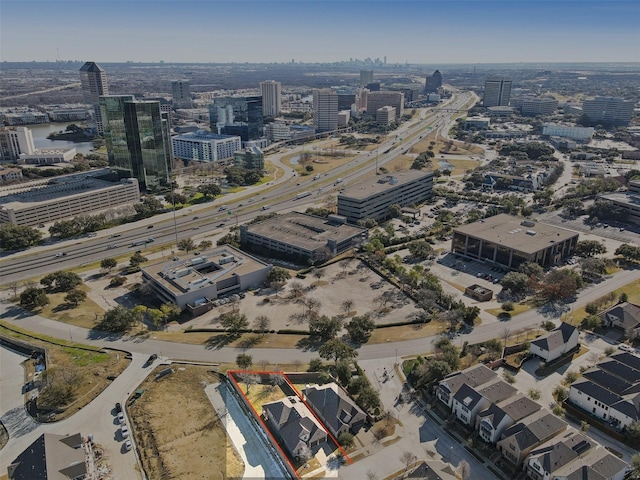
(125, 431)
(121, 418)
(118, 407)
(127, 445)
(151, 359)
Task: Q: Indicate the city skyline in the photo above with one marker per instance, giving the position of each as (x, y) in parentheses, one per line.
(421, 32)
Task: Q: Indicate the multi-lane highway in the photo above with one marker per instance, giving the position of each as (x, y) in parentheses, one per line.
(240, 207)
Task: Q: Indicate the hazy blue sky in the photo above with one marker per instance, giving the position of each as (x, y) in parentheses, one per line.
(444, 31)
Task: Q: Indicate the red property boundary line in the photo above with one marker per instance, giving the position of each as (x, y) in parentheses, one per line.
(232, 374)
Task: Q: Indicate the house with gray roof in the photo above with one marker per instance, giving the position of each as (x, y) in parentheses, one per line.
(335, 408)
(472, 376)
(610, 391)
(491, 422)
(469, 401)
(623, 316)
(543, 462)
(51, 457)
(294, 426)
(597, 463)
(555, 343)
(520, 439)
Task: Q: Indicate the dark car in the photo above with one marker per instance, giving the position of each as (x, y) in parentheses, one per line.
(118, 408)
(149, 226)
(151, 359)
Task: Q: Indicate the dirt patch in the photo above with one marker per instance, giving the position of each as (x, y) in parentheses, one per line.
(194, 444)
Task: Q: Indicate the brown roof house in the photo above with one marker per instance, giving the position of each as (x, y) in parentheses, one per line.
(51, 457)
(294, 426)
(555, 343)
(334, 407)
(468, 402)
(491, 422)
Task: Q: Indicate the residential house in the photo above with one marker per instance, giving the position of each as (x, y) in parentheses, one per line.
(520, 439)
(611, 390)
(51, 457)
(543, 462)
(499, 416)
(469, 401)
(555, 343)
(429, 470)
(472, 376)
(623, 316)
(597, 464)
(294, 426)
(334, 407)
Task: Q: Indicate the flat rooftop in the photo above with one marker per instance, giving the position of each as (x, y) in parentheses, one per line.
(516, 233)
(370, 186)
(198, 271)
(629, 198)
(304, 231)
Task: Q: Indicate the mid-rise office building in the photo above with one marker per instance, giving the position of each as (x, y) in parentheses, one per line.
(497, 92)
(24, 118)
(376, 100)
(366, 77)
(45, 201)
(202, 146)
(385, 116)
(535, 106)
(433, 82)
(251, 158)
(15, 141)
(138, 141)
(325, 110)
(93, 79)
(181, 92)
(609, 111)
(509, 242)
(628, 202)
(371, 198)
(271, 98)
(240, 116)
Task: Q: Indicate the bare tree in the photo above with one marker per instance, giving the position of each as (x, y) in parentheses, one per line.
(297, 290)
(464, 470)
(14, 287)
(408, 458)
(347, 305)
(249, 379)
(344, 264)
(262, 323)
(313, 306)
(505, 333)
(371, 475)
(318, 274)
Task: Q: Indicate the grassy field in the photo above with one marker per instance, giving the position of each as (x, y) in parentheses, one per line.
(84, 315)
(631, 289)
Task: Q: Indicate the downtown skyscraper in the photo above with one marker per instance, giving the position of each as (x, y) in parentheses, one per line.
(271, 98)
(325, 110)
(497, 92)
(93, 79)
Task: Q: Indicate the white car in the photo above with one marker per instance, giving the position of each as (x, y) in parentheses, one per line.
(125, 431)
(121, 418)
(127, 445)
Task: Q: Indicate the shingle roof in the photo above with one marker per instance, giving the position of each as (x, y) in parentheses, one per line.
(535, 431)
(555, 338)
(520, 407)
(626, 314)
(557, 452)
(603, 378)
(620, 370)
(632, 361)
(473, 376)
(333, 406)
(497, 391)
(51, 457)
(596, 391)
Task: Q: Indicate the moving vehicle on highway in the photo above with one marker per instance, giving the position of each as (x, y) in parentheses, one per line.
(302, 195)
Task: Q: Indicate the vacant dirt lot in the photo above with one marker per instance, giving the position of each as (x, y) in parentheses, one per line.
(339, 283)
(177, 430)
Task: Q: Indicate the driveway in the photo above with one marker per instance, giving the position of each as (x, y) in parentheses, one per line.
(250, 445)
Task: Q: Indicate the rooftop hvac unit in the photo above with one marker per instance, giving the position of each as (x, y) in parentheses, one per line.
(527, 223)
(198, 260)
(182, 272)
(531, 232)
(225, 260)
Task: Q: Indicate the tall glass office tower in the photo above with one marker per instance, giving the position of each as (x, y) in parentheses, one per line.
(240, 116)
(137, 138)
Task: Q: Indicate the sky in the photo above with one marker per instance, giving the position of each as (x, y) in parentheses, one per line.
(415, 31)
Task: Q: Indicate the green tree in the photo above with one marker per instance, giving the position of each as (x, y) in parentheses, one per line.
(532, 270)
(244, 361)
(360, 328)
(75, 296)
(346, 440)
(149, 206)
(560, 285)
(325, 327)
(136, 259)
(33, 297)
(234, 322)
(177, 197)
(431, 372)
(515, 282)
(628, 252)
(18, 237)
(262, 323)
(118, 320)
(368, 398)
(395, 211)
(205, 245)
(590, 248)
(209, 190)
(278, 275)
(623, 297)
(420, 249)
(170, 312)
(635, 466)
(337, 350)
(62, 280)
(186, 244)
(108, 264)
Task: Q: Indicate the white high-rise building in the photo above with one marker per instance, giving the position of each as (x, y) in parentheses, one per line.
(325, 110)
(497, 91)
(271, 98)
(93, 79)
(366, 77)
(202, 146)
(15, 141)
(608, 110)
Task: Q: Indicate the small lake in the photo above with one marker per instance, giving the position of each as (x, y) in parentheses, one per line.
(40, 139)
